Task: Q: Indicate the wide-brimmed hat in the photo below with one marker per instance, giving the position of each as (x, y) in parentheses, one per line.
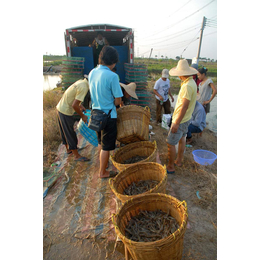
(165, 73)
(130, 89)
(183, 69)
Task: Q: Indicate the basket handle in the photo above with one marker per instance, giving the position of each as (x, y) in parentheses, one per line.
(147, 108)
(155, 144)
(164, 167)
(110, 182)
(113, 218)
(183, 202)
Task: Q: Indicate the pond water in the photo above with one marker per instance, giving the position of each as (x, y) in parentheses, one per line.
(211, 117)
(50, 81)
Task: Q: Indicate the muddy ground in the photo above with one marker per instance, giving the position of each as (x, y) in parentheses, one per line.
(54, 70)
(67, 207)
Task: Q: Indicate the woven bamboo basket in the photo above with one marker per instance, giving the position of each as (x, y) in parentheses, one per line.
(144, 148)
(169, 248)
(133, 124)
(139, 172)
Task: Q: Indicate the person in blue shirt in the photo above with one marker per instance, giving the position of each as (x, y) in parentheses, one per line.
(198, 121)
(106, 94)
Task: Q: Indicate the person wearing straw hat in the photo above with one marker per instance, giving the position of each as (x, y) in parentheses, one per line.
(128, 91)
(182, 113)
(161, 91)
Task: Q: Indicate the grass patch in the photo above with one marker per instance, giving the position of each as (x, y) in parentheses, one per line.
(54, 60)
(51, 135)
(155, 67)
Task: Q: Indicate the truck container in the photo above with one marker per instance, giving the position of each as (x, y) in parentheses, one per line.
(78, 41)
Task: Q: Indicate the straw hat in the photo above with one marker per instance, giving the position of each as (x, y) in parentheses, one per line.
(183, 69)
(130, 89)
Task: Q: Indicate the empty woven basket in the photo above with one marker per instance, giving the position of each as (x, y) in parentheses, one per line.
(133, 124)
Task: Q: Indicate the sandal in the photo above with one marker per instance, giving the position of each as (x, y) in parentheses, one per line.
(170, 172)
(82, 159)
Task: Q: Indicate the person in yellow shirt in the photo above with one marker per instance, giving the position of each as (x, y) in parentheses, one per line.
(70, 103)
(182, 113)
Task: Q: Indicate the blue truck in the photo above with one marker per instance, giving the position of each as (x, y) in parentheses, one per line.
(78, 41)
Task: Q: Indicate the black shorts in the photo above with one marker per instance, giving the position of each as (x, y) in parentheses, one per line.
(107, 137)
(207, 108)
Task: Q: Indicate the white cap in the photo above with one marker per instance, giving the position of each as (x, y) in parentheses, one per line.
(165, 73)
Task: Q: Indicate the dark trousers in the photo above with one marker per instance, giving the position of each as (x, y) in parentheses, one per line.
(68, 135)
(192, 129)
(167, 109)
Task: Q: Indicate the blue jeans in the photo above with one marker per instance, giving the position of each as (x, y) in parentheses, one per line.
(192, 129)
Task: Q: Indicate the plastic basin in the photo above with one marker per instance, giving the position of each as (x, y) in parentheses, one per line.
(204, 157)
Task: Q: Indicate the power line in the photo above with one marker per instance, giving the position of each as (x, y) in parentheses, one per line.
(168, 17)
(155, 43)
(212, 26)
(211, 23)
(171, 47)
(213, 17)
(182, 19)
(176, 48)
(179, 8)
(167, 37)
(210, 33)
(210, 20)
(191, 42)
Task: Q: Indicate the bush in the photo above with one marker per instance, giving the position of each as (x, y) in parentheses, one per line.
(51, 134)
(51, 98)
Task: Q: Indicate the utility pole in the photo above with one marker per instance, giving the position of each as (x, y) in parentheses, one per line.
(151, 53)
(201, 34)
(150, 56)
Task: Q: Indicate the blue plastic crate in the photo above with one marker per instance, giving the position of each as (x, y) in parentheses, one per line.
(87, 133)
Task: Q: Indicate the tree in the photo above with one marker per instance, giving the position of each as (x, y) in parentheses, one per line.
(177, 57)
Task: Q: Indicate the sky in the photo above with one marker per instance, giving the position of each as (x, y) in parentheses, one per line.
(171, 28)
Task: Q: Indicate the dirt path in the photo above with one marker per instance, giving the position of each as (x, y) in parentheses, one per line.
(78, 208)
(200, 240)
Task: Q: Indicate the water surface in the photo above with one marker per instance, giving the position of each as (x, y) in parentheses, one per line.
(50, 81)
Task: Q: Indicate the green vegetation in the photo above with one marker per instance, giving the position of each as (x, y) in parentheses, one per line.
(51, 135)
(155, 66)
(54, 60)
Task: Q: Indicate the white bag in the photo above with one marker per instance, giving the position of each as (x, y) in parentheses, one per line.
(166, 121)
